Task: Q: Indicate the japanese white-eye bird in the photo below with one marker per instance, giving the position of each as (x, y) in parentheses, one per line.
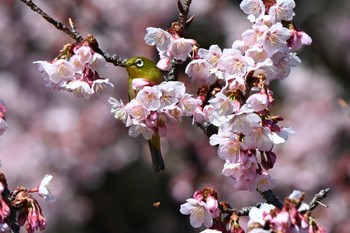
(141, 67)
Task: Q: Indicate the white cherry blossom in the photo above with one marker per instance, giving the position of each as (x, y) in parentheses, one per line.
(198, 211)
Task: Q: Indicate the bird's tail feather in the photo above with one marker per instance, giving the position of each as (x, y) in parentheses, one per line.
(157, 158)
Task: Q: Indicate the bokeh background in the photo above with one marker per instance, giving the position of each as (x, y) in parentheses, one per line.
(103, 179)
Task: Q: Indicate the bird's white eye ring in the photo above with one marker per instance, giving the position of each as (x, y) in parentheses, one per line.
(139, 62)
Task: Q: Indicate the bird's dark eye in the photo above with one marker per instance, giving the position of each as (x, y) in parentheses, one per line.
(139, 62)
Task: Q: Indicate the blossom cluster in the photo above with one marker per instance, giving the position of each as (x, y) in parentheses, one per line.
(202, 208)
(154, 107)
(28, 211)
(170, 46)
(294, 216)
(76, 70)
(240, 108)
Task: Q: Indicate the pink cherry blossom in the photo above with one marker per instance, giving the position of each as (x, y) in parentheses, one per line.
(78, 65)
(234, 63)
(138, 127)
(213, 206)
(258, 101)
(244, 123)
(274, 39)
(230, 151)
(158, 37)
(251, 36)
(199, 72)
(253, 8)
(282, 135)
(44, 191)
(282, 10)
(56, 72)
(79, 88)
(232, 169)
(188, 104)
(164, 62)
(172, 114)
(198, 211)
(283, 63)
(259, 138)
(259, 215)
(100, 85)
(35, 220)
(222, 104)
(211, 55)
(223, 136)
(137, 110)
(296, 195)
(139, 83)
(264, 182)
(298, 39)
(171, 92)
(97, 62)
(236, 83)
(181, 48)
(118, 109)
(83, 53)
(149, 97)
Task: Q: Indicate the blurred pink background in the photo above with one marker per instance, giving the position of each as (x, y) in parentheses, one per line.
(103, 179)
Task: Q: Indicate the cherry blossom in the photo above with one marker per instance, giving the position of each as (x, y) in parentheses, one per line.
(198, 211)
(154, 107)
(43, 189)
(298, 39)
(57, 72)
(76, 72)
(181, 48)
(211, 55)
(274, 39)
(118, 109)
(234, 63)
(170, 46)
(253, 8)
(282, 10)
(199, 72)
(158, 37)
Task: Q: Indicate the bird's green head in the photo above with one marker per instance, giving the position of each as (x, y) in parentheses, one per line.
(142, 67)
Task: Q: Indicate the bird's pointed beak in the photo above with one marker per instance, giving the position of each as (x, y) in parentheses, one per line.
(125, 63)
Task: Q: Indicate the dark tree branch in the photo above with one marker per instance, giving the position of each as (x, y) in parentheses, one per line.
(208, 129)
(112, 58)
(271, 198)
(317, 199)
(184, 9)
(171, 75)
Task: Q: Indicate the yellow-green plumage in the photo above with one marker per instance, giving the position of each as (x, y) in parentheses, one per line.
(141, 67)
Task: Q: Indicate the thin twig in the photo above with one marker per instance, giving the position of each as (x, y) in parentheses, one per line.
(317, 199)
(60, 26)
(184, 9)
